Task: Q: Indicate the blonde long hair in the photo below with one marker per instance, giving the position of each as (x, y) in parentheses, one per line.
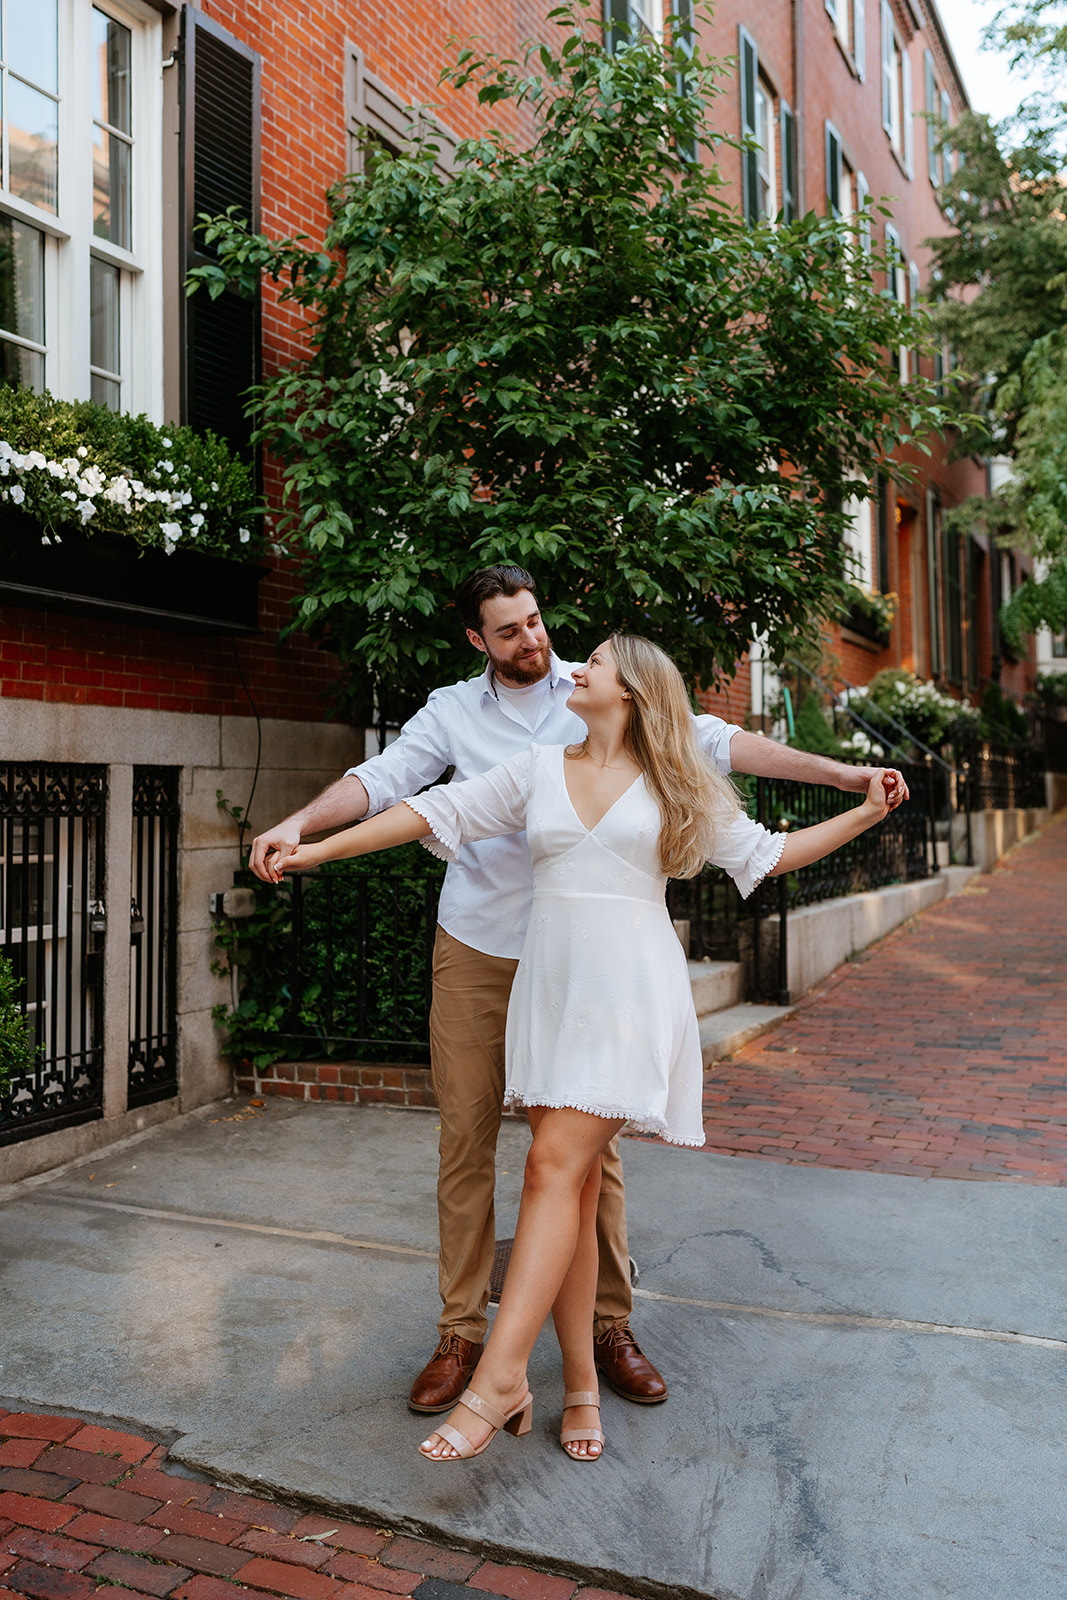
(694, 799)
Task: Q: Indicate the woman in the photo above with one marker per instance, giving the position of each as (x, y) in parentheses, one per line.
(601, 1029)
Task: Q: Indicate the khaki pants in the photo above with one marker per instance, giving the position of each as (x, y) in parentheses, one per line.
(470, 1003)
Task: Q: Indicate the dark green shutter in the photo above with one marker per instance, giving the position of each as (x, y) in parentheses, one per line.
(617, 16)
(749, 60)
(220, 138)
(790, 197)
(833, 171)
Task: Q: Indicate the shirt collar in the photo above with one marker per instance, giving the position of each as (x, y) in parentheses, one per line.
(558, 672)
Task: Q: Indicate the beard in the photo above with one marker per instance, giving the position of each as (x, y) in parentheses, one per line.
(524, 673)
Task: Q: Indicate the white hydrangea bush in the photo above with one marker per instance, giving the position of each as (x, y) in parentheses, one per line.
(921, 707)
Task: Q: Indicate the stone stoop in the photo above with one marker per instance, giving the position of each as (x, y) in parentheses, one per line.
(725, 1019)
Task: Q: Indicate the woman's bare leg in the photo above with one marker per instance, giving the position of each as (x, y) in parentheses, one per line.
(565, 1145)
(572, 1314)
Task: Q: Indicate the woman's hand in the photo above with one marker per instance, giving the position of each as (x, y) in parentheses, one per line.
(881, 794)
(303, 856)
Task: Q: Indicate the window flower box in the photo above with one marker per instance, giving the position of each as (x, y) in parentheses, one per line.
(109, 576)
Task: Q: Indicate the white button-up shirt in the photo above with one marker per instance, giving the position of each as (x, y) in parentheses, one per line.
(486, 895)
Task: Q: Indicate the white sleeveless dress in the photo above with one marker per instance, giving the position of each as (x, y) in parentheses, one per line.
(601, 1014)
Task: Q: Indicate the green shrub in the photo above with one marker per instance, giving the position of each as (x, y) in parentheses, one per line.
(1000, 719)
(17, 1053)
(262, 1028)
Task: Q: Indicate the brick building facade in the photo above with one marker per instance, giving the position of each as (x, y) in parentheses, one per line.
(845, 99)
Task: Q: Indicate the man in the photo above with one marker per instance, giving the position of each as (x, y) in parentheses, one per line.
(520, 698)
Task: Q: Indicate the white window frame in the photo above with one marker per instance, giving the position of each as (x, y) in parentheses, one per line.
(69, 240)
(896, 91)
(863, 190)
(859, 541)
(849, 21)
(766, 160)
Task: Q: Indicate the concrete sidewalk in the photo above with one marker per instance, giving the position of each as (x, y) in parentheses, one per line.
(869, 1392)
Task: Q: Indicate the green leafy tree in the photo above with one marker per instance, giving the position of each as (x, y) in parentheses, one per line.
(575, 355)
(1009, 325)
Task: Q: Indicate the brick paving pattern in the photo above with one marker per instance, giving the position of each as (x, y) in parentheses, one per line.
(86, 1509)
(939, 1052)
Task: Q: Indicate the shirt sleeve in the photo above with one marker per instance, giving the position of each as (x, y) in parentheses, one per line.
(714, 735)
(416, 758)
(747, 851)
(485, 807)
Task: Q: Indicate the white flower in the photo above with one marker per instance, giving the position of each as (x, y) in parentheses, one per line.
(56, 470)
(91, 481)
(214, 488)
(86, 507)
(167, 443)
(68, 494)
(45, 539)
(18, 493)
(118, 492)
(196, 520)
(82, 451)
(244, 535)
(71, 466)
(172, 532)
(34, 459)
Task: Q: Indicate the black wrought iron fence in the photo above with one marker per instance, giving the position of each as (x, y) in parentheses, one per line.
(358, 978)
(993, 777)
(153, 1055)
(52, 925)
(722, 926)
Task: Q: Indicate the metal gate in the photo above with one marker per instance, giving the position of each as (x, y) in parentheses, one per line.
(153, 1058)
(52, 926)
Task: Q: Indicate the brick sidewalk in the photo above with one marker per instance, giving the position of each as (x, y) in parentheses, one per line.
(939, 1052)
(84, 1508)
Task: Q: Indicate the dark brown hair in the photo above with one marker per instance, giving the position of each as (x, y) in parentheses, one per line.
(487, 584)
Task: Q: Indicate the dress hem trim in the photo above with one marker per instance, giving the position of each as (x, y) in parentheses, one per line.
(636, 1123)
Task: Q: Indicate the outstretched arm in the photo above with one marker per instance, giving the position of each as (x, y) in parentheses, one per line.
(754, 753)
(811, 844)
(399, 825)
(343, 801)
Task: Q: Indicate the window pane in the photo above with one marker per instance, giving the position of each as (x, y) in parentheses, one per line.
(105, 392)
(104, 316)
(31, 41)
(33, 145)
(21, 279)
(21, 368)
(111, 188)
(111, 72)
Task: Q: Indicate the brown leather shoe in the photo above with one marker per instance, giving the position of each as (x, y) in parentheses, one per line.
(446, 1374)
(627, 1368)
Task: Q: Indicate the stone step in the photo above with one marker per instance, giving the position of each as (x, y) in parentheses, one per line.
(723, 1032)
(715, 985)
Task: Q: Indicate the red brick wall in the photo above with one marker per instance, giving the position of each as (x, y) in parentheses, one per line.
(84, 661)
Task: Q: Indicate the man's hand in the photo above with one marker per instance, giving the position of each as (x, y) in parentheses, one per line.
(270, 850)
(859, 780)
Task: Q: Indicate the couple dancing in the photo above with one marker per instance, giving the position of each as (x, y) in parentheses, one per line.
(600, 1029)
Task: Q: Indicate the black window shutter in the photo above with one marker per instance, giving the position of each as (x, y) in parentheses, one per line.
(220, 137)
